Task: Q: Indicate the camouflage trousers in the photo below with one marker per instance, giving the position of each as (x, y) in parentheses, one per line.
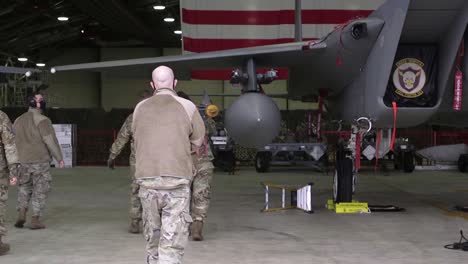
(34, 185)
(244, 154)
(135, 202)
(166, 220)
(201, 194)
(4, 182)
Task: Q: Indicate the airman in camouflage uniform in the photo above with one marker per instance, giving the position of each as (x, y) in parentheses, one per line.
(201, 186)
(36, 143)
(281, 138)
(125, 135)
(167, 129)
(245, 155)
(8, 169)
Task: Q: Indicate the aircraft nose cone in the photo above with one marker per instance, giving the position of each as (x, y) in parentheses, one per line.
(253, 120)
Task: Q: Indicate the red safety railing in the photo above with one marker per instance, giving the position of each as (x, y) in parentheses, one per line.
(93, 145)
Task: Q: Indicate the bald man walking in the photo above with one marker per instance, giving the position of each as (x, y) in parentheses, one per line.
(165, 128)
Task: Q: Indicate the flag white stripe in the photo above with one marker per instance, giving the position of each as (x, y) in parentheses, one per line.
(253, 32)
(269, 5)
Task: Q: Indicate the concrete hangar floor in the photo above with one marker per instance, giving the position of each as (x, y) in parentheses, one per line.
(87, 221)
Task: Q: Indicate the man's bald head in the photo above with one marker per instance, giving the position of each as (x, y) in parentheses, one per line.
(163, 77)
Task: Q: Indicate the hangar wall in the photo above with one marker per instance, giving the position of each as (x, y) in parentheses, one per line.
(122, 91)
(74, 89)
(107, 90)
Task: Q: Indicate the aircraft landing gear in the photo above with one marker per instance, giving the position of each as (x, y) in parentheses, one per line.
(262, 161)
(463, 163)
(343, 180)
(404, 158)
(408, 161)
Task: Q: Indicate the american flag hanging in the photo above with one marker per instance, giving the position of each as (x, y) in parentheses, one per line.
(212, 25)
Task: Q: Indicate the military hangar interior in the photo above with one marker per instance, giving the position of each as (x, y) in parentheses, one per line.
(347, 146)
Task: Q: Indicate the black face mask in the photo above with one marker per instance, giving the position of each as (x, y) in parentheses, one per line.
(33, 104)
(42, 105)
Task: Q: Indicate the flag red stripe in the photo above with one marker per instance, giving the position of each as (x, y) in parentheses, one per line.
(216, 17)
(206, 45)
(226, 74)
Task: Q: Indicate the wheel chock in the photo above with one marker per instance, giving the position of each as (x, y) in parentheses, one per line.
(461, 208)
(354, 207)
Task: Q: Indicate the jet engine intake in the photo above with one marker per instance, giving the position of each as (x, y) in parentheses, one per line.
(359, 30)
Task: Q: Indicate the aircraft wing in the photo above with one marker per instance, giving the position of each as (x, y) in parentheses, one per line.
(331, 63)
(17, 70)
(281, 55)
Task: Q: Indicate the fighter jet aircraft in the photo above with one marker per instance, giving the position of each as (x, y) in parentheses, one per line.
(389, 70)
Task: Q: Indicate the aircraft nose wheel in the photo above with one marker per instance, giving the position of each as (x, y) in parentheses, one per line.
(335, 185)
(404, 160)
(463, 163)
(344, 180)
(262, 161)
(354, 182)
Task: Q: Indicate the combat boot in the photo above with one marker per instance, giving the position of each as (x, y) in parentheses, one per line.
(135, 226)
(196, 230)
(36, 224)
(21, 218)
(4, 248)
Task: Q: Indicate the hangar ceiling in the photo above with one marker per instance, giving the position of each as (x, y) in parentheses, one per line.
(27, 26)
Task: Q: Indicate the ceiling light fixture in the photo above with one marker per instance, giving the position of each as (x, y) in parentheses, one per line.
(82, 31)
(62, 18)
(169, 19)
(178, 32)
(40, 64)
(22, 59)
(159, 7)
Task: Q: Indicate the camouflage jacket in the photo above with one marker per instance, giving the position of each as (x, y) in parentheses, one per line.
(203, 160)
(35, 138)
(125, 135)
(8, 151)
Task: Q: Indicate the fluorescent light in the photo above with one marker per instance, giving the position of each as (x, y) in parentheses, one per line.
(40, 64)
(23, 59)
(178, 32)
(169, 19)
(159, 7)
(62, 18)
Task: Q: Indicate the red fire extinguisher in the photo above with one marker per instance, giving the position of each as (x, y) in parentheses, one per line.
(458, 87)
(458, 92)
